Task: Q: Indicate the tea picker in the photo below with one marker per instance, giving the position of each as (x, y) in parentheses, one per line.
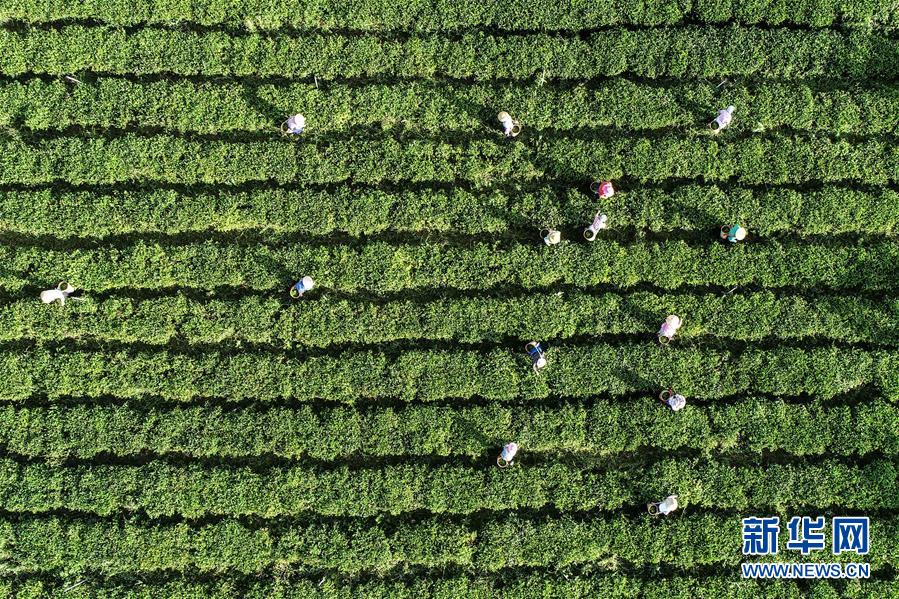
(61, 293)
(669, 328)
(675, 401)
(665, 507)
(507, 455)
(511, 127)
(733, 234)
(604, 190)
(599, 223)
(551, 236)
(301, 287)
(538, 358)
(294, 125)
(722, 121)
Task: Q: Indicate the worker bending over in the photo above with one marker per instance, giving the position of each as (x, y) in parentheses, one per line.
(665, 507)
(538, 358)
(733, 234)
(507, 455)
(511, 127)
(722, 121)
(301, 287)
(294, 125)
(673, 400)
(669, 328)
(61, 293)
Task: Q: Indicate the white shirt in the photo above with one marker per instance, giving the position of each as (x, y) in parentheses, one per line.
(667, 330)
(599, 222)
(509, 451)
(668, 506)
(51, 295)
(677, 402)
(296, 123)
(724, 117)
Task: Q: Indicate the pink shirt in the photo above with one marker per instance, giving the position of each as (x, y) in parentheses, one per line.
(667, 330)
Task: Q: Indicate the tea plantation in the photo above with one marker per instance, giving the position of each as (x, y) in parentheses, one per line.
(181, 426)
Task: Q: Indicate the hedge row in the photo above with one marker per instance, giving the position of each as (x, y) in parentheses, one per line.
(439, 107)
(97, 214)
(133, 158)
(439, 15)
(381, 267)
(73, 546)
(662, 52)
(426, 375)
(506, 585)
(199, 490)
(752, 425)
(325, 322)
(51, 544)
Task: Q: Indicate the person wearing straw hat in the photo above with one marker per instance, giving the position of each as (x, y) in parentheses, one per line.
(665, 507)
(294, 125)
(733, 234)
(673, 400)
(669, 328)
(507, 455)
(538, 358)
(61, 293)
(511, 127)
(301, 287)
(722, 121)
(551, 236)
